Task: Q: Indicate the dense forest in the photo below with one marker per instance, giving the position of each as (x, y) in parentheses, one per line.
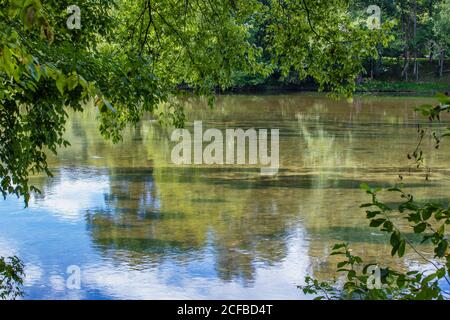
(418, 52)
(421, 34)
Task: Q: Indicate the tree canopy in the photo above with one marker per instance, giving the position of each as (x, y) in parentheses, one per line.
(132, 57)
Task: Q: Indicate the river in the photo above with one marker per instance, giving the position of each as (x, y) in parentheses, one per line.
(137, 226)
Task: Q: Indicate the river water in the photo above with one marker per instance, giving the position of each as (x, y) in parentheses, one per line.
(137, 226)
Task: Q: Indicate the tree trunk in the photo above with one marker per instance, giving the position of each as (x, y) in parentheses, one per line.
(416, 66)
(371, 68)
(406, 25)
(406, 65)
(379, 67)
(441, 63)
(430, 13)
(417, 71)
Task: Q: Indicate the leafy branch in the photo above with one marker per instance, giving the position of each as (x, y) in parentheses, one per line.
(428, 220)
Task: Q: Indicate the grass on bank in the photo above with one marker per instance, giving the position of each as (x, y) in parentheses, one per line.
(413, 87)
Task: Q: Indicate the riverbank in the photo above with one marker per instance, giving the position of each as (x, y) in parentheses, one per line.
(386, 78)
(428, 88)
(373, 86)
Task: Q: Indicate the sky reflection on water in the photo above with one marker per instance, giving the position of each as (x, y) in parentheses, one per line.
(142, 228)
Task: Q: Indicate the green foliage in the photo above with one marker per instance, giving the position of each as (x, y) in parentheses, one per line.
(441, 26)
(433, 113)
(428, 220)
(132, 57)
(427, 88)
(11, 278)
(34, 92)
(322, 41)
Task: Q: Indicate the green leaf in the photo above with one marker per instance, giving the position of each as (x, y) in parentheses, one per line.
(441, 249)
(339, 246)
(372, 214)
(377, 222)
(401, 248)
(351, 275)
(388, 226)
(425, 109)
(72, 82)
(60, 83)
(441, 230)
(420, 227)
(426, 214)
(395, 242)
(443, 98)
(441, 273)
(365, 186)
(429, 278)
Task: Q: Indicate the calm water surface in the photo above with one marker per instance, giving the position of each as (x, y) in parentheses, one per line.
(142, 228)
